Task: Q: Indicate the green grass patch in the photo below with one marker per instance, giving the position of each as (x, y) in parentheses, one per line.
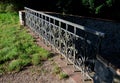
(36, 59)
(15, 65)
(58, 71)
(17, 47)
(63, 75)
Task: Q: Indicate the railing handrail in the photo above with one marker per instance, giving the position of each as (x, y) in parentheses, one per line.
(98, 33)
(77, 43)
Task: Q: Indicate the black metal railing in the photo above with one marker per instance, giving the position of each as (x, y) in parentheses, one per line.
(77, 43)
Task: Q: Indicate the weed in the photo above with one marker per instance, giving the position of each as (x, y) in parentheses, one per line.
(2, 69)
(25, 62)
(12, 54)
(45, 54)
(57, 70)
(24, 56)
(36, 59)
(15, 65)
(44, 71)
(62, 75)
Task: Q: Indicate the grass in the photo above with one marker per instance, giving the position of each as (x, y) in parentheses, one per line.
(58, 71)
(63, 75)
(36, 59)
(17, 47)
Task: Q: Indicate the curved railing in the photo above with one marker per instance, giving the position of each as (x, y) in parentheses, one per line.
(77, 43)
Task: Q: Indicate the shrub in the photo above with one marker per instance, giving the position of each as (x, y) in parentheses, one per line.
(15, 65)
(25, 62)
(24, 56)
(10, 8)
(36, 59)
(45, 54)
(7, 7)
(12, 54)
(2, 7)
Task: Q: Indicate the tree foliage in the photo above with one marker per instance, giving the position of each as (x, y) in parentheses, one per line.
(80, 7)
(97, 5)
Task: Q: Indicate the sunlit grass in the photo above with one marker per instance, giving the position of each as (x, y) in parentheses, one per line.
(17, 47)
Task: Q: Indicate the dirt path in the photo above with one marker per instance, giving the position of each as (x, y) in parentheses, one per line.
(35, 74)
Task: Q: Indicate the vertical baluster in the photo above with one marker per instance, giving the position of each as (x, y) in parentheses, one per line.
(99, 44)
(50, 33)
(31, 20)
(35, 22)
(26, 19)
(45, 38)
(66, 40)
(39, 24)
(53, 40)
(49, 39)
(42, 27)
(54, 33)
(74, 48)
(85, 77)
(59, 36)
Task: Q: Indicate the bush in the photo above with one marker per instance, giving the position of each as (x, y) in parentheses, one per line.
(15, 65)
(7, 7)
(10, 8)
(2, 7)
(18, 64)
(36, 59)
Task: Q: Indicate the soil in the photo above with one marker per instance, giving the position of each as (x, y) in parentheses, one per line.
(35, 74)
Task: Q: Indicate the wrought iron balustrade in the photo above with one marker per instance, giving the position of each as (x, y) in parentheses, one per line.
(77, 43)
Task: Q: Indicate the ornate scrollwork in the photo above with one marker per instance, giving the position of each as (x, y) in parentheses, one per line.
(70, 52)
(69, 40)
(63, 48)
(79, 50)
(57, 43)
(52, 39)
